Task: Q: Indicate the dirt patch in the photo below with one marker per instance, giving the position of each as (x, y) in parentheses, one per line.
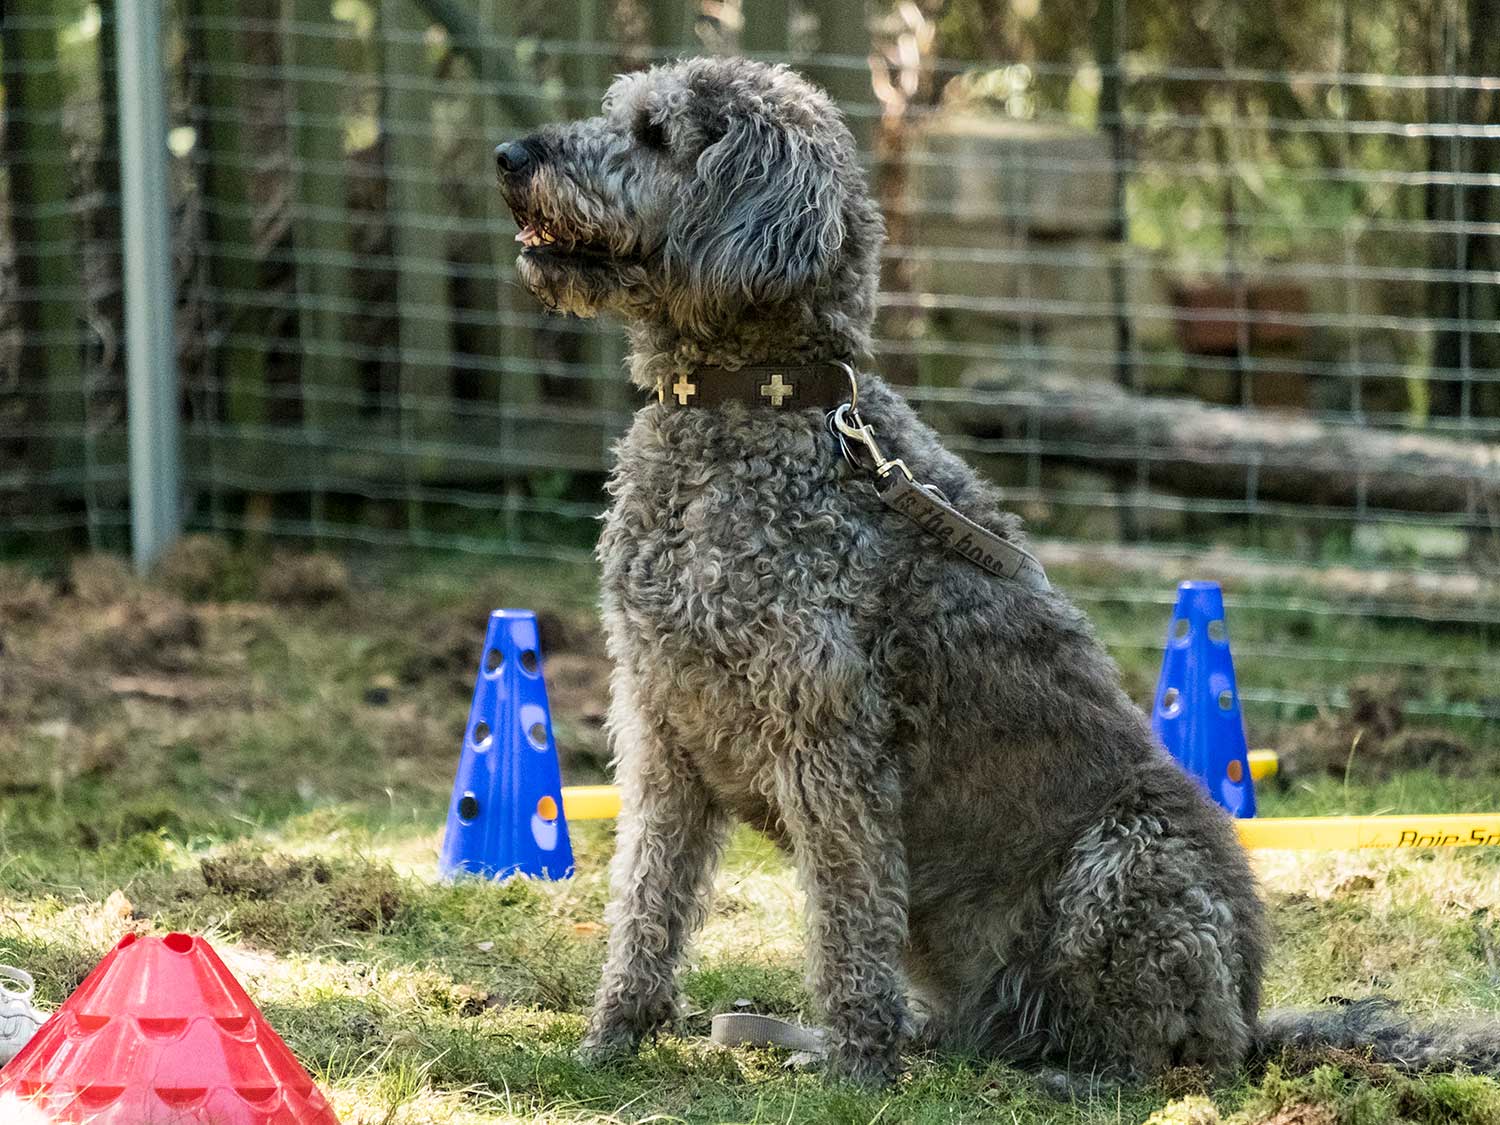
(151, 632)
(101, 659)
(252, 874)
(1372, 740)
(23, 597)
(570, 632)
(578, 684)
(203, 568)
(444, 649)
(305, 580)
(369, 898)
(279, 896)
(95, 580)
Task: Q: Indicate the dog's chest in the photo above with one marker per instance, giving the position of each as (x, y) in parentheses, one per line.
(729, 541)
(729, 568)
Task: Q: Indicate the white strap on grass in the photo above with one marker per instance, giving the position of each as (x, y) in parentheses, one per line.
(746, 1029)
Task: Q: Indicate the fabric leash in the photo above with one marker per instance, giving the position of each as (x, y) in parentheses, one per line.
(925, 505)
(746, 1029)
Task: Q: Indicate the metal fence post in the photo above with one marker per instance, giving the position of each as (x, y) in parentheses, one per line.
(150, 296)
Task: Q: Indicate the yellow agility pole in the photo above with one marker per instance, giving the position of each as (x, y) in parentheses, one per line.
(1263, 764)
(602, 802)
(1300, 833)
(1449, 830)
(591, 802)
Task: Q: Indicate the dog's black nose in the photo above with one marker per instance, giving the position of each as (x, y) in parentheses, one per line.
(513, 158)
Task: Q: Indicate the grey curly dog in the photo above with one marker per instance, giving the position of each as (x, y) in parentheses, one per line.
(996, 853)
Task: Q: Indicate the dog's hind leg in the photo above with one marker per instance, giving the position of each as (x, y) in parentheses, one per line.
(671, 834)
(1149, 960)
(841, 812)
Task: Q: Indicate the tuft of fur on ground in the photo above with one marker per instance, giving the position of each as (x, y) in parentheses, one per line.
(279, 784)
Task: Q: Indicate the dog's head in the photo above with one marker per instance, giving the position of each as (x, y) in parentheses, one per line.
(705, 188)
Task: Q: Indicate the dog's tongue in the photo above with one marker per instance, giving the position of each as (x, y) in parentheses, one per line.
(526, 233)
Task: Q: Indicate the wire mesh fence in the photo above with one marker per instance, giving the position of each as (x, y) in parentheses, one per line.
(1176, 276)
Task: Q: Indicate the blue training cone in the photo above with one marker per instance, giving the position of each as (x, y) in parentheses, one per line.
(506, 814)
(1197, 709)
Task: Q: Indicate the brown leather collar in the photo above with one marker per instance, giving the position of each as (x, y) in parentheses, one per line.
(778, 386)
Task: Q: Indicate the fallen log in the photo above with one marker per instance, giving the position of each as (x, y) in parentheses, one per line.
(1217, 451)
(1418, 594)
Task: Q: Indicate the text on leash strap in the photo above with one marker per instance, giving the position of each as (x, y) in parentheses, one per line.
(926, 507)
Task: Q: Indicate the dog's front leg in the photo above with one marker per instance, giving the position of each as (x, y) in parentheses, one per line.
(671, 833)
(841, 809)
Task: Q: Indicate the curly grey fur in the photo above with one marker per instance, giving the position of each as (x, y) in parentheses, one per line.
(981, 818)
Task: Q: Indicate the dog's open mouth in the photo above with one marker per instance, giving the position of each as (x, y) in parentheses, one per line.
(542, 239)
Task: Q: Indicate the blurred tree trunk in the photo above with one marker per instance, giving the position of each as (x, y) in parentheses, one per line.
(767, 27)
(1467, 343)
(1107, 53)
(229, 223)
(1484, 248)
(330, 383)
(49, 296)
(416, 212)
(596, 347)
(671, 27)
(844, 30)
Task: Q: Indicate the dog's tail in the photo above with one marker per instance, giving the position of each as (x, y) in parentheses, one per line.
(1376, 1029)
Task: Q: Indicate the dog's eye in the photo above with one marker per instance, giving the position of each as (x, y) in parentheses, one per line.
(649, 133)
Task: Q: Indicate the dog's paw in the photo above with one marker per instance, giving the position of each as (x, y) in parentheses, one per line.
(610, 1042)
(1063, 1086)
(604, 1052)
(872, 1069)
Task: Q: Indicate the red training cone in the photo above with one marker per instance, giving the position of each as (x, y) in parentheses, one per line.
(161, 1031)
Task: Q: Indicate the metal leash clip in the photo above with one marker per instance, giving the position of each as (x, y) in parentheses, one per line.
(845, 424)
(851, 430)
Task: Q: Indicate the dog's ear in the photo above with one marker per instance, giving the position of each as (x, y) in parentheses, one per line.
(763, 220)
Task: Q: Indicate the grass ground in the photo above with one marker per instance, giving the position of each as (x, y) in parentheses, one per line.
(259, 749)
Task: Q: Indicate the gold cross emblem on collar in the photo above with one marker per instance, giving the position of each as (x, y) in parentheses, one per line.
(684, 390)
(776, 390)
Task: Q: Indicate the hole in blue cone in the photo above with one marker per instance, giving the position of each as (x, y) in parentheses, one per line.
(468, 806)
(1218, 632)
(529, 662)
(1226, 700)
(1171, 702)
(1181, 628)
(545, 832)
(538, 736)
(481, 733)
(494, 659)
